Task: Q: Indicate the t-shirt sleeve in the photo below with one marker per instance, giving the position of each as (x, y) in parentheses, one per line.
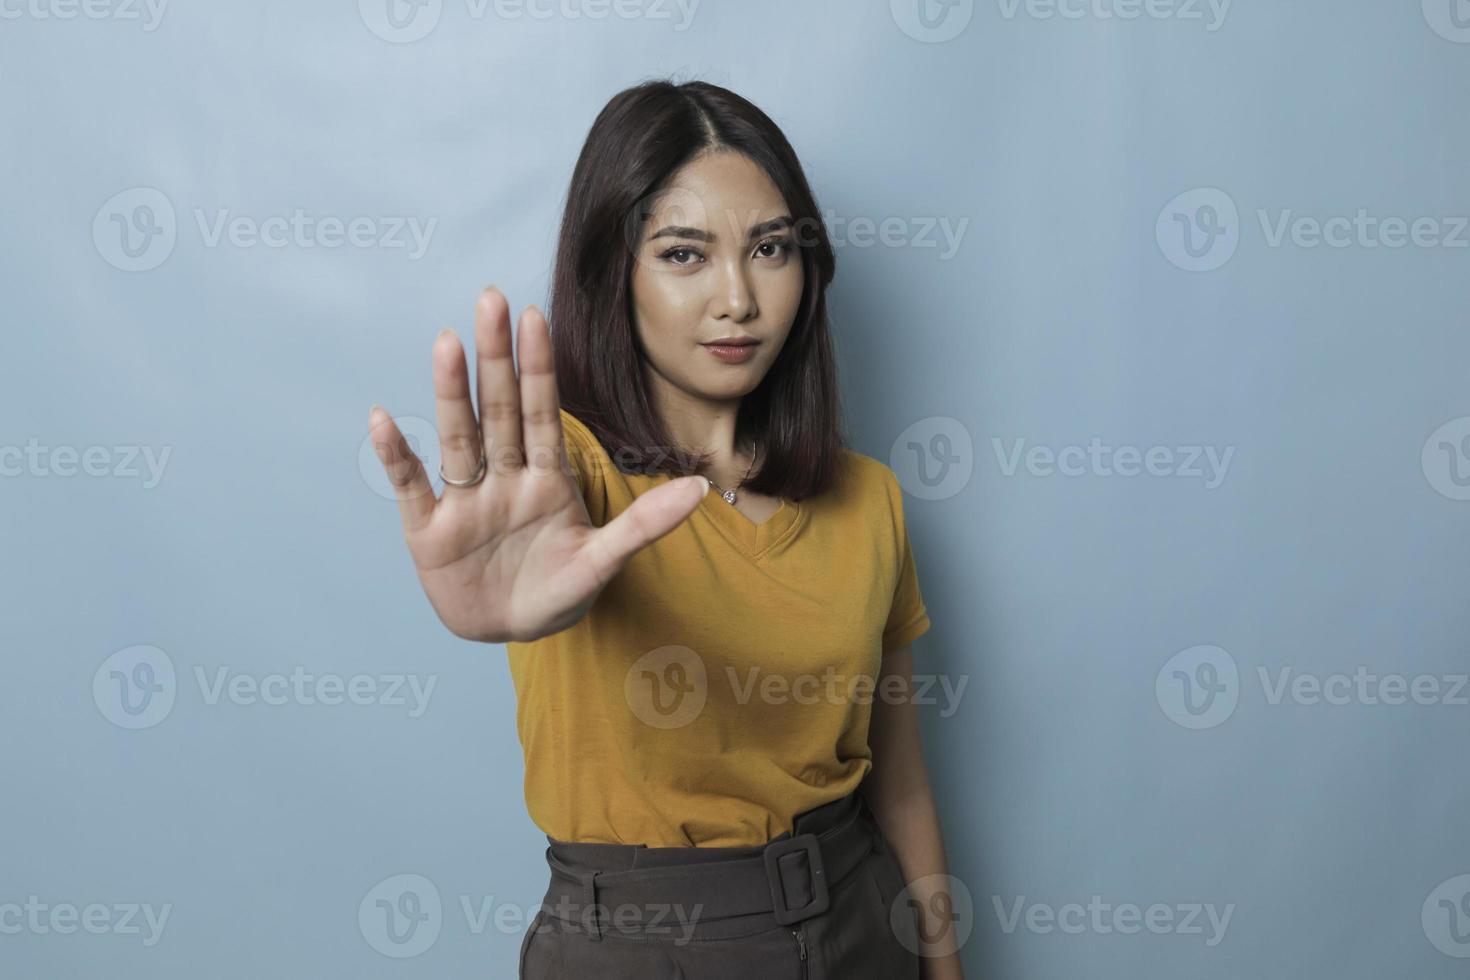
(908, 619)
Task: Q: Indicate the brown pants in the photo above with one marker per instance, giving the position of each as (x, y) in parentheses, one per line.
(856, 938)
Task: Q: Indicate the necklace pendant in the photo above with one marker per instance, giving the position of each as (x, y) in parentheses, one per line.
(729, 496)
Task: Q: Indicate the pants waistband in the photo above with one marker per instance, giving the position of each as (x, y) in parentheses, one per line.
(651, 892)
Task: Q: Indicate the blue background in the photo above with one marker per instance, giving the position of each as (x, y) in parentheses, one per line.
(1076, 763)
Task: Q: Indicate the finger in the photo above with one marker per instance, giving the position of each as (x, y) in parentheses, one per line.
(410, 483)
(653, 514)
(495, 379)
(459, 433)
(540, 406)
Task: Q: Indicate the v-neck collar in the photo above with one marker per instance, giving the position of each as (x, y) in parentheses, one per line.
(752, 538)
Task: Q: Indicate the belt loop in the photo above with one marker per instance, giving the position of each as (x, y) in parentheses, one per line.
(589, 904)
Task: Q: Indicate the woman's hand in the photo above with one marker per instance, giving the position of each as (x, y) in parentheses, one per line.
(515, 556)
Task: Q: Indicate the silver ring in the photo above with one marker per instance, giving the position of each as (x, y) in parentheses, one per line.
(476, 478)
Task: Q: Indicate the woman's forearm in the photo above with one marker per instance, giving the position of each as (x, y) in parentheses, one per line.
(911, 824)
(897, 791)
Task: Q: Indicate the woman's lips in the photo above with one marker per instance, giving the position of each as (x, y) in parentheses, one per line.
(732, 354)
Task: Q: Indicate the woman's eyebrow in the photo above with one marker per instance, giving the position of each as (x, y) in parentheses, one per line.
(699, 234)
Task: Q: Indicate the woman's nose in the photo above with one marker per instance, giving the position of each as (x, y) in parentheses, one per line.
(734, 297)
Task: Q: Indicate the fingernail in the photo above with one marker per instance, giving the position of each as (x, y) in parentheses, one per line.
(706, 485)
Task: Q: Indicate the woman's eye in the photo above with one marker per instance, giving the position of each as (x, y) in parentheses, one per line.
(670, 255)
(779, 247)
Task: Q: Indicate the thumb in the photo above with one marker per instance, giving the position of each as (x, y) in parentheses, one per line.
(654, 514)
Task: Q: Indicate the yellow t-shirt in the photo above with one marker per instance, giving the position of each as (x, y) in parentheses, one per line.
(722, 683)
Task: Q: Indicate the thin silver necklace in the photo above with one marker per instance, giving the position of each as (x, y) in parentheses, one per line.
(729, 495)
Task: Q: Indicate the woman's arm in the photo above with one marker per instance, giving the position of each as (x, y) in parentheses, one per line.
(897, 790)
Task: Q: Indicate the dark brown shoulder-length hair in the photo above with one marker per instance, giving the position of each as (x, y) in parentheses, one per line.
(639, 140)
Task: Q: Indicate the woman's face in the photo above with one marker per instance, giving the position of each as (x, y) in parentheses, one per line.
(717, 259)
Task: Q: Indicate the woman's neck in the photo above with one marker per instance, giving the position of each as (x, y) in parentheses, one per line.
(700, 425)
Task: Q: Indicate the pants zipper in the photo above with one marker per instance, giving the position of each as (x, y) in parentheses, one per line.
(801, 948)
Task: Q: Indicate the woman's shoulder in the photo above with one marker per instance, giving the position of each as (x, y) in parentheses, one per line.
(574, 428)
(868, 483)
(584, 452)
(579, 439)
(871, 472)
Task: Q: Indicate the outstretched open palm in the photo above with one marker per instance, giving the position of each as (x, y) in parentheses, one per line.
(513, 555)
